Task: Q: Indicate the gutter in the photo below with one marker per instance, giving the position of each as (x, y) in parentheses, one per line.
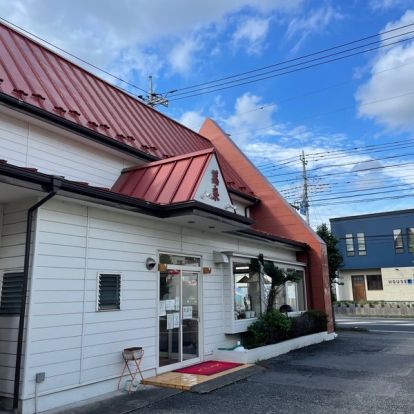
(137, 205)
(28, 109)
(55, 185)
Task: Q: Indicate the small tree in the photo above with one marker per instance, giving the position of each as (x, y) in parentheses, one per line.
(278, 278)
(334, 257)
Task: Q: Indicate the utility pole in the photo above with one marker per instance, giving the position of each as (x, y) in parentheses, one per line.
(153, 99)
(305, 198)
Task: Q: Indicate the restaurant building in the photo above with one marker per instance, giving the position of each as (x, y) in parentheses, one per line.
(121, 227)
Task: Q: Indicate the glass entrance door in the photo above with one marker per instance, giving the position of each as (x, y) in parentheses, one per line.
(178, 317)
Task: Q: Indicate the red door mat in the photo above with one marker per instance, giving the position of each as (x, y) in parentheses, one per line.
(208, 368)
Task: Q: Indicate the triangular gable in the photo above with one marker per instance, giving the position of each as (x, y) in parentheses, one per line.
(192, 177)
(212, 189)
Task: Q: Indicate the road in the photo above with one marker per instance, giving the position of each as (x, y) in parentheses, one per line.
(359, 372)
(386, 325)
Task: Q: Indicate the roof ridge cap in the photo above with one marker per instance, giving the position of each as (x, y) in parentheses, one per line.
(170, 160)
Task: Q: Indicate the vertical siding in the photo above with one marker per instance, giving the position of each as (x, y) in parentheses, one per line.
(27, 145)
(12, 243)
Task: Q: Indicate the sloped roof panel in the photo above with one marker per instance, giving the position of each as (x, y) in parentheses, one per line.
(44, 79)
(170, 181)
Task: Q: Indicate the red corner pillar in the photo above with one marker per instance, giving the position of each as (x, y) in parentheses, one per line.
(275, 216)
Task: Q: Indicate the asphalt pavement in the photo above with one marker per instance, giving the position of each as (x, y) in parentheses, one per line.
(386, 325)
(359, 372)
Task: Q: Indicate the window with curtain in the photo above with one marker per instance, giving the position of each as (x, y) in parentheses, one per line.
(361, 244)
(398, 241)
(349, 242)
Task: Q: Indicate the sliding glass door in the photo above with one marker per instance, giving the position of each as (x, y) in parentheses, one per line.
(179, 329)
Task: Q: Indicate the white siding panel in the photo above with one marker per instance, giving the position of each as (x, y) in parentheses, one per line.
(12, 246)
(75, 243)
(28, 145)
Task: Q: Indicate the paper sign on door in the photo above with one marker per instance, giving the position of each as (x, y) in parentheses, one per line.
(187, 312)
(176, 320)
(170, 304)
(162, 311)
(170, 321)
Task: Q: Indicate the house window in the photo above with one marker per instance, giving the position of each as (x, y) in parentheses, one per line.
(398, 241)
(11, 293)
(361, 244)
(374, 282)
(246, 291)
(410, 237)
(109, 291)
(349, 240)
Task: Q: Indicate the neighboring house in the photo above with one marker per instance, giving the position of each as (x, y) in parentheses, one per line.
(120, 228)
(378, 256)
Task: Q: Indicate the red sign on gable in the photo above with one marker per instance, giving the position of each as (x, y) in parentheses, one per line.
(215, 181)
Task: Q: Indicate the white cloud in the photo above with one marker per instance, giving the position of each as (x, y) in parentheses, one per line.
(251, 33)
(181, 57)
(192, 120)
(384, 5)
(249, 114)
(317, 21)
(99, 31)
(397, 84)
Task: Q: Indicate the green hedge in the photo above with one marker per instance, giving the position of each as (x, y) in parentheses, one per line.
(273, 327)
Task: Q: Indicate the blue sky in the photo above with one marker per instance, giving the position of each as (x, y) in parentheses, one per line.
(326, 111)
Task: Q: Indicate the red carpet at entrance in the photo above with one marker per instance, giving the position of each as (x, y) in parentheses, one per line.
(208, 368)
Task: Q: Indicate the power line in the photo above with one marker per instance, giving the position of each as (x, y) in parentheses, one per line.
(350, 172)
(316, 91)
(238, 83)
(295, 59)
(345, 108)
(360, 195)
(342, 153)
(366, 200)
(72, 55)
(347, 164)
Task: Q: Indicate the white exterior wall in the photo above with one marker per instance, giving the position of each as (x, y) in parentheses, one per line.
(79, 348)
(26, 144)
(12, 246)
(392, 291)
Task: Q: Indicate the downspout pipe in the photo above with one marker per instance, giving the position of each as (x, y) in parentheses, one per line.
(55, 184)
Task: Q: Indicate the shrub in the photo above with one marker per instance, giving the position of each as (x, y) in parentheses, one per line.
(273, 327)
(319, 320)
(270, 328)
(309, 322)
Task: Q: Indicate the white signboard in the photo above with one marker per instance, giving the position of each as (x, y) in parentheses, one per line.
(176, 320)
(187, 312)
(170, 304)
(170, 321)
(162, 311)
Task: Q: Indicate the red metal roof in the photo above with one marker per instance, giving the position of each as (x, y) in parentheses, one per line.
(168, 181)
(42, 78)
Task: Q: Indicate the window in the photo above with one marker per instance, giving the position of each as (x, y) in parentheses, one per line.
(109, 291)
(410, 238)
(374, 282)
(361, 244)
(349, 241)
(180, 260)
(246, 291)
(11, 293)
(398, 241)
